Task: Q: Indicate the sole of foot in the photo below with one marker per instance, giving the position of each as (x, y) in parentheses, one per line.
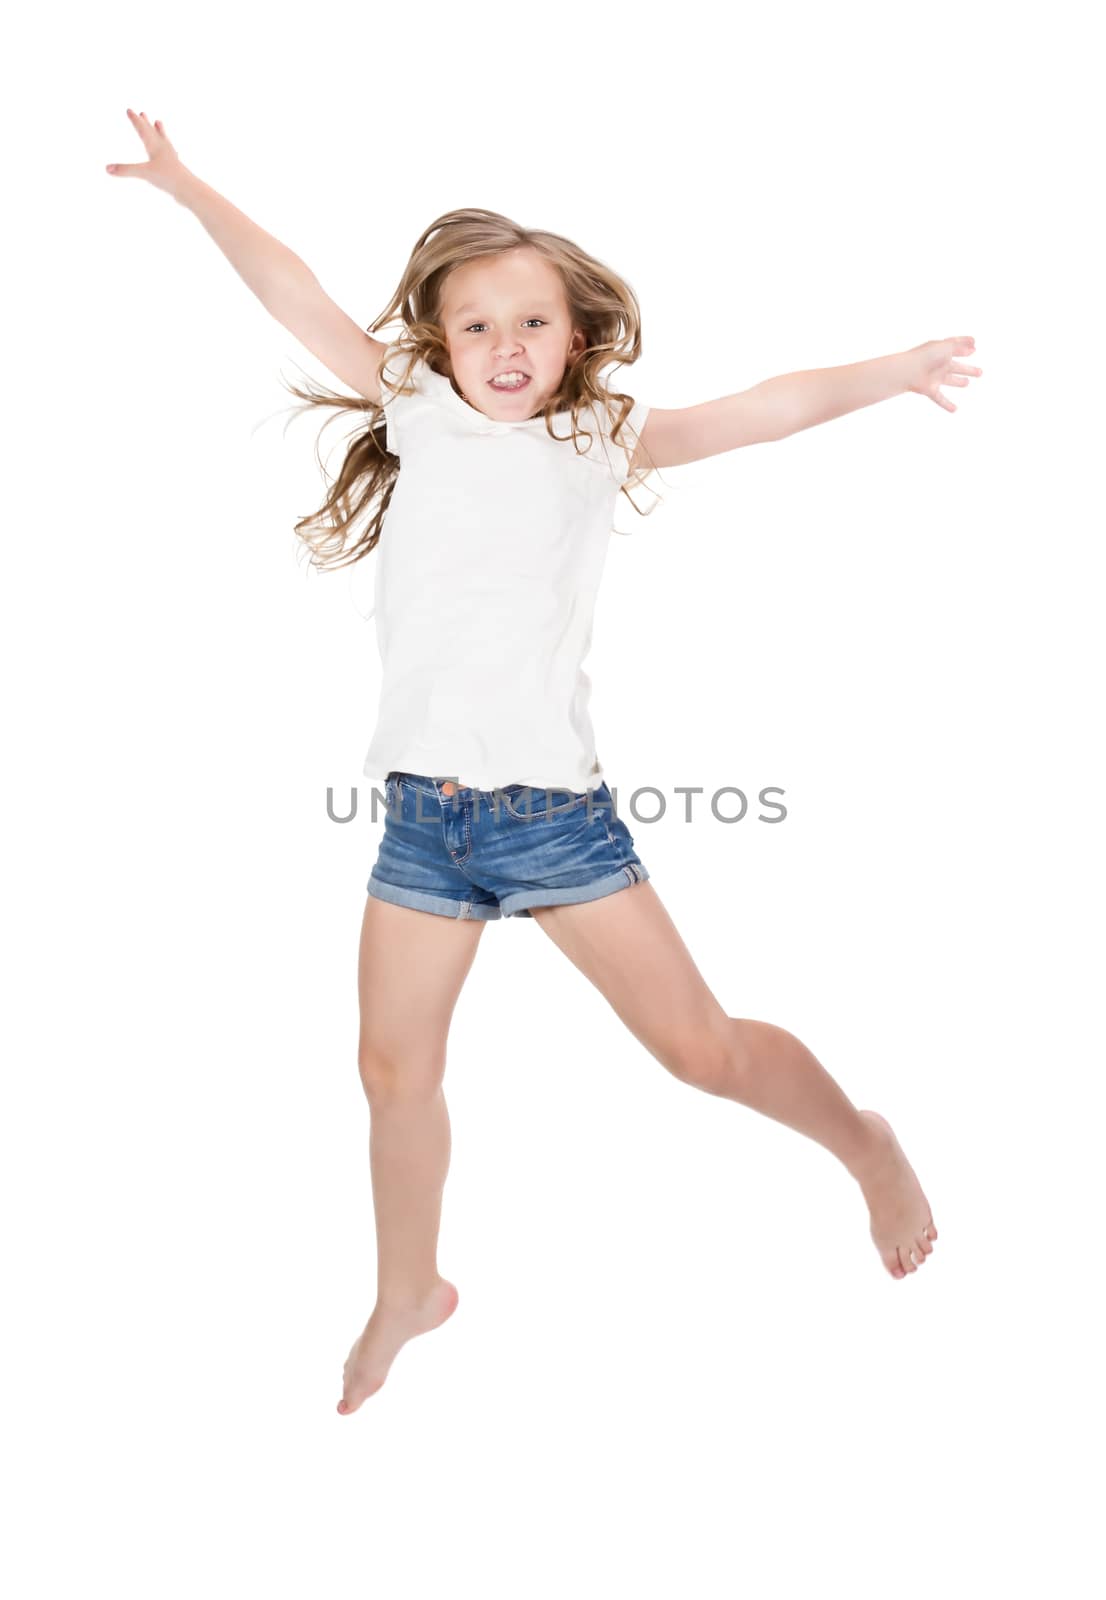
(386, 1332)
(902, 1225)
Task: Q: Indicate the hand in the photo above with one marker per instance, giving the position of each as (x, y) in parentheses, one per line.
(164, 169)
(930, 365)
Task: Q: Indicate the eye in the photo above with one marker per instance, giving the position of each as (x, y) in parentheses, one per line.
(484, 324)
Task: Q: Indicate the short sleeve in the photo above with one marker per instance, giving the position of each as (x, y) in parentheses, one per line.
(391, 404)
(629, 436)
(615, 457)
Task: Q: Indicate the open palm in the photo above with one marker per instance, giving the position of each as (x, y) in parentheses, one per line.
(932, 364)
(164, 166)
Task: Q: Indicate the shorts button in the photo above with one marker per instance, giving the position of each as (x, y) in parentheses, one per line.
(448, 788)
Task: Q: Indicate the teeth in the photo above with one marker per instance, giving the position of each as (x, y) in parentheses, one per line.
(509, 383)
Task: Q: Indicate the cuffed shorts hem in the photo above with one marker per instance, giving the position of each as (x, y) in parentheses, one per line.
(518, 905)
(419, 900)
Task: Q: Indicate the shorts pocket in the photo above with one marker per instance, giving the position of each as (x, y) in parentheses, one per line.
(526, 803)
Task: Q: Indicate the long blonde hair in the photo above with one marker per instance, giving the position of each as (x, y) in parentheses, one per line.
(600, 303)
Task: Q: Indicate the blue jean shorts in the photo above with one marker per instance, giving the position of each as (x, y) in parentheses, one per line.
(487, 853)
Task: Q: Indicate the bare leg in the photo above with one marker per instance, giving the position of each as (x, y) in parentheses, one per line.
(776, 1074)
(411, 968)
(627, 945)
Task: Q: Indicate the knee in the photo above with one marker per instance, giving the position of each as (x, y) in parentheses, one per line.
(755, 1039)
(710, 1059)
(389, 1076)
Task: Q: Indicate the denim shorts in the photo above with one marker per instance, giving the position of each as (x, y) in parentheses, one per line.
(486, 853)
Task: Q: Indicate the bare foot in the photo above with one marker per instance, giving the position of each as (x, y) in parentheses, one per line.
(901, 1224)
(384, 1335)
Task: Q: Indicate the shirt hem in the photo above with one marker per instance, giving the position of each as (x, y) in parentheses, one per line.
(477, 779)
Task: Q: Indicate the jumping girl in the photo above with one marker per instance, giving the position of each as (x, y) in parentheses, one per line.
(489, 466)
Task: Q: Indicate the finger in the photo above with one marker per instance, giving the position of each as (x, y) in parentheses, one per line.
(144, 130)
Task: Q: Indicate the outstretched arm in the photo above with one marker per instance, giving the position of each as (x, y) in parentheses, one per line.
(284, 283)
(781, 406)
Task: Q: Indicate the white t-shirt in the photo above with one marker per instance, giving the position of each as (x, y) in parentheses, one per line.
(487, 569)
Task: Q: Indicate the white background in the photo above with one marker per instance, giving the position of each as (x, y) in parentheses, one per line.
(678, 1366)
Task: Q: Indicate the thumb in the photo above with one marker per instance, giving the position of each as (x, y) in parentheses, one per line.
(122, 170)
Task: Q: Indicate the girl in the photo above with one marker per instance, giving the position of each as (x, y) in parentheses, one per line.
(513, 451)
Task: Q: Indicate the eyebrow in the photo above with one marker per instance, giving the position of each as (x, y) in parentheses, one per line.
(537, 305)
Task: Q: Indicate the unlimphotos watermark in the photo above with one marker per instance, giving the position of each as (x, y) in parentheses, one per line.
(426, 798)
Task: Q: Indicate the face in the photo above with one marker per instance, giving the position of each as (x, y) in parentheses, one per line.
(508, 313)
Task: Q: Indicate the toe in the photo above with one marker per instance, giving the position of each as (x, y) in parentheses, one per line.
(893, 1264)
(907, 1260)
